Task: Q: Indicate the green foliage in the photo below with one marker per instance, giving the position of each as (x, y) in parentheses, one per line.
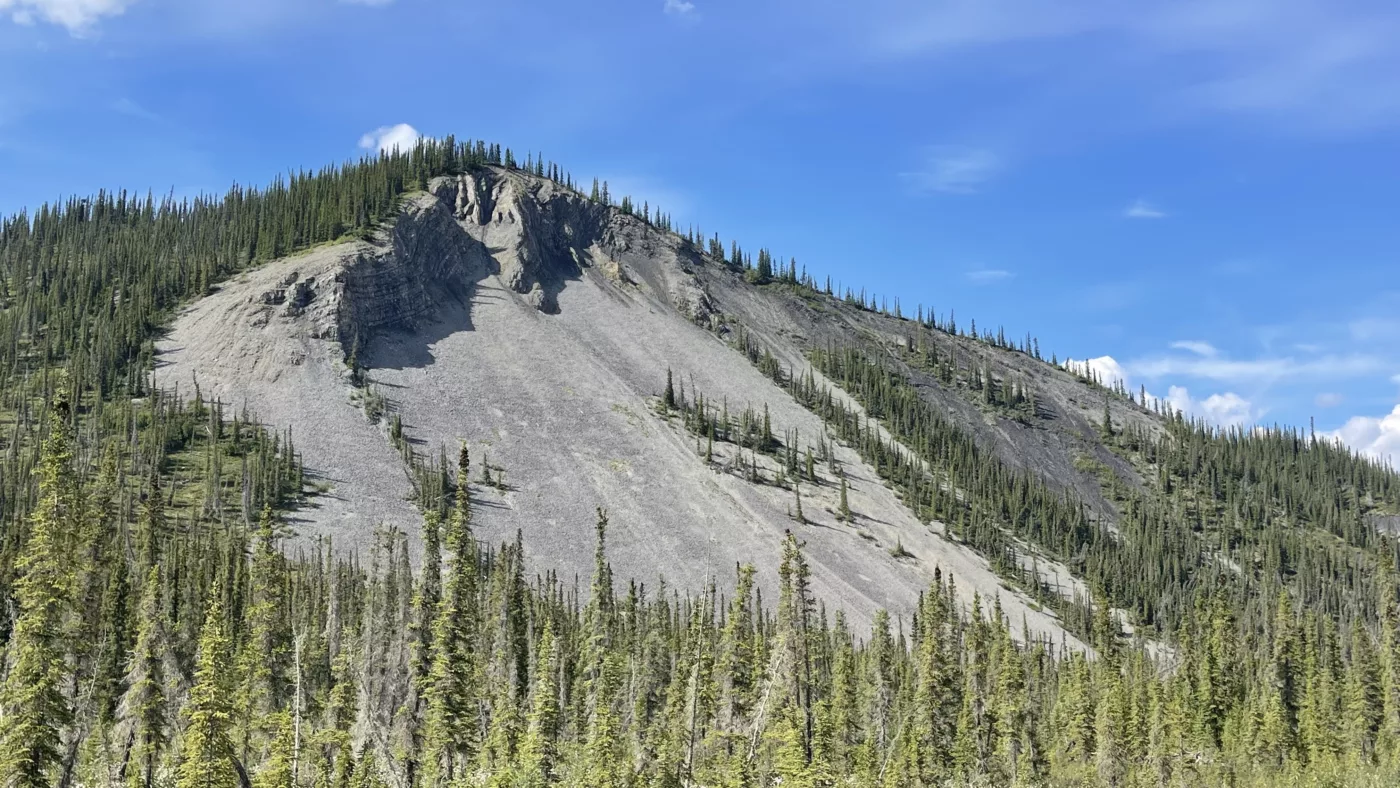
(34, 706)
(208, 758)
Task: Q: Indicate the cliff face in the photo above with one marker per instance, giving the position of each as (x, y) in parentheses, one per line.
(508, 313)
(397, 285)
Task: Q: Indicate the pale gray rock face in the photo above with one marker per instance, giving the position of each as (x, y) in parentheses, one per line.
(1386, 523)
(507, 312)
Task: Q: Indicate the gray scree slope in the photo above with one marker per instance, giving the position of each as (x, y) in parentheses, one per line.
(538, 327)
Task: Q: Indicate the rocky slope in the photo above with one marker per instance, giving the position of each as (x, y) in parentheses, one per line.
(538, 327)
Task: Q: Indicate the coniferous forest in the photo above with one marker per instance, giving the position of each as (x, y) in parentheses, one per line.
(157, 632)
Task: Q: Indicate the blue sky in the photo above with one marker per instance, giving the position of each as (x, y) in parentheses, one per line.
(1198, 195)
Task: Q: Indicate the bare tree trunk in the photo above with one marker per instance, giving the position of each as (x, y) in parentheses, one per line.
(296, 713)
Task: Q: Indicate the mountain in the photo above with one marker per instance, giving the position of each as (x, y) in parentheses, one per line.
(289, 456)
(539, 328)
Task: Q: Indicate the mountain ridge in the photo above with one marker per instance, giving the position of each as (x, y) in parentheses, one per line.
(501, 245)
(610, 261)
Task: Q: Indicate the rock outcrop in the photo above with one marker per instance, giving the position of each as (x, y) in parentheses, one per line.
(397, 284)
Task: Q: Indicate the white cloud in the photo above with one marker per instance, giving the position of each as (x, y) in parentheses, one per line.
(1225, 409)
(954, 169)
(679, 7)
(1328, 399)
(1261, 369)
(1142, 209)
(76, 15)
(987, 276)
(1395, 379)
(1376, 438)
(386, 138)
(1321, 64)
(1199, 347)
(1105, 368)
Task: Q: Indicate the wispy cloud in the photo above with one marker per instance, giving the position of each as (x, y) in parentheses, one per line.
(1328, 399)
(1112, 296)
(656, 194)
(1374, 328)
(78, 16)
(1142, 209)
(1259, 369)
(1238, 267)
(386, 138)
(1199, 347)
(1318, 64)
(126, 106)
(954, 169)
(987, 276)
(679, 7)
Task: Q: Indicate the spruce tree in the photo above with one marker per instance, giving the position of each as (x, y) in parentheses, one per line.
(537, 747)
(143, 706)
(207, 760)
(450, 689)
(34, 707)
(261, 660)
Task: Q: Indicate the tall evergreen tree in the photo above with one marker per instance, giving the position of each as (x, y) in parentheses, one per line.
(34, 706)
(207, 760)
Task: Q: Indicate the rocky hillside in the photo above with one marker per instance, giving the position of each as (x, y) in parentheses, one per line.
(538, 327)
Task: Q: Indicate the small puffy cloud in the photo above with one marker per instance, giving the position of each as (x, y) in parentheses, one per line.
(953, 169)
(1328, 399)
(987, 276)
(1223, 410)
(1378, 438)
(1105, 368)
(1196, 346)
(77, 15)
(386, 138)
(1142, 209)
(679, 7)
